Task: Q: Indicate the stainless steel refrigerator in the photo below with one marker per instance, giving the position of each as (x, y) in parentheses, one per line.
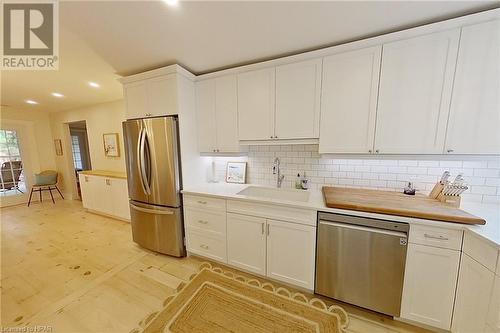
(154, 183)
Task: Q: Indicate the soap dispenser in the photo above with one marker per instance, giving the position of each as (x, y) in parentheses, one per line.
(298, 182)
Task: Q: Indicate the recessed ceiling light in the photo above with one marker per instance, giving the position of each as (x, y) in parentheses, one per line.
(171, 2)
(30, 101)
(94, 84)
(56, 94)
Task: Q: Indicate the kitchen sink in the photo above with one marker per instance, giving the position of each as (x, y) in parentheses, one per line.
(276, 193)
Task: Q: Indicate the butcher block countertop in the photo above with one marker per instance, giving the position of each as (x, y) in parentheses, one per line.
(395, 203)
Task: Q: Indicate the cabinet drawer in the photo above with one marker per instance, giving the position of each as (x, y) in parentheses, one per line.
(204, 202)
(273, 211)
(480, 251)
(435, 236)
(208, 246)
(205, 220)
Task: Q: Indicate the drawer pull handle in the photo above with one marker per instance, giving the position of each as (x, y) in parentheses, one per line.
(435, 237)
(262, 227)
(202, 202)
(203, 246)
(202, 222)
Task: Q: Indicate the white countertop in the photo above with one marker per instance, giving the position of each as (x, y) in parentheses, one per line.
(490, 212)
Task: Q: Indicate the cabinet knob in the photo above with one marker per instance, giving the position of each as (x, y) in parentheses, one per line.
(370, 151)
(377, 151)
(271, 137)
(450, 151)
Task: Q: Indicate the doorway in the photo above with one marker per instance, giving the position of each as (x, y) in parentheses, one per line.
(80, 150)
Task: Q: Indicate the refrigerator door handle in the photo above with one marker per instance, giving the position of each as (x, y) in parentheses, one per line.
(151, 211)
(141, 164)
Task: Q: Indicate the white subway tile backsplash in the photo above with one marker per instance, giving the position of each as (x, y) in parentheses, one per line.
(375, 172)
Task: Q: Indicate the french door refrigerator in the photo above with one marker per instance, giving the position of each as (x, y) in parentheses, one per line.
(154, 183)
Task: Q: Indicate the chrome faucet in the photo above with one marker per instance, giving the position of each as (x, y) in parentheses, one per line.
(276, 170)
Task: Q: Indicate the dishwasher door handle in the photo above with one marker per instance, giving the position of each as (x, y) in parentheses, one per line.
(367, 229)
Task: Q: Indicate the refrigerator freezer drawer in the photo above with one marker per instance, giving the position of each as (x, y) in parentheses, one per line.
(158, 228)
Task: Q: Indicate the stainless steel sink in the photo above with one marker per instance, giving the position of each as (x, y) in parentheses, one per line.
(275, 193)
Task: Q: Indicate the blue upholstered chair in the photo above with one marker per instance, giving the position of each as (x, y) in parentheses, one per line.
(45, 181)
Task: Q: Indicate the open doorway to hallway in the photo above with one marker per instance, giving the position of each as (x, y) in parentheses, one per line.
(80, 150)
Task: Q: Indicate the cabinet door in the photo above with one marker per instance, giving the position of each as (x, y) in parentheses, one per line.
(290, 253)
(246, 242)
(349, 101)
(493, 320)
(162, 95)
(119, 195)
(135, 99)
(256, 104)
(205, 116)
(226, 97)
(429, 285)
(415, 89)
(473, 296)
(86, 188)
(474, 124)
(297, 100)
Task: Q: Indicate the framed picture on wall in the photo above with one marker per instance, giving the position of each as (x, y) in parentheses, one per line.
(236, 172)
(111, 145)
(58, 147)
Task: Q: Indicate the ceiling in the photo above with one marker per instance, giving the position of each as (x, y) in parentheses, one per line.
(100, 39)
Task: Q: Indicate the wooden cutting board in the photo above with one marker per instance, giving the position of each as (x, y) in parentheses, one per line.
(394, 203)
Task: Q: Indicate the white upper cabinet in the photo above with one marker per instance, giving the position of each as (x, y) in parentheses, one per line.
(156, 96)
(474, 124)
(226, 102)
(349, 101)
(256, 92)
(205, 116)
(414, 94)
(217, 115)
(298, 100)
(162, 95)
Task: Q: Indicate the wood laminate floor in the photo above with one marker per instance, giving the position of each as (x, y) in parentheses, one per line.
(74, 271)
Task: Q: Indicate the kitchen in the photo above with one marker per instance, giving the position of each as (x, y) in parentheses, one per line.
(287, 176)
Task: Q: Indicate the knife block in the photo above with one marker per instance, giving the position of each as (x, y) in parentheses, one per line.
(437, 193)
(453, 200)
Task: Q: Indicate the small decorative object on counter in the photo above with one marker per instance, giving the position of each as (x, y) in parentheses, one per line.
(298, 182)
(236, 172)
(305, 182)
(409, 189)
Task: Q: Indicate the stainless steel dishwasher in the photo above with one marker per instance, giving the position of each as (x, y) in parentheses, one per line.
(361, 261)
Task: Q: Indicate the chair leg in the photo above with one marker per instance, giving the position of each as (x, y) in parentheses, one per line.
(31, 193)
(40, 194)
(50, 191)
(59, 192)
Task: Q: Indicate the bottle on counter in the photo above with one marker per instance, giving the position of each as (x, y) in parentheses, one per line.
(298, 182)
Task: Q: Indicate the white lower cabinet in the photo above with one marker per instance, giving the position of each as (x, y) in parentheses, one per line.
(290, 253)
(493, 320)
(473, 295)
(429, 286)
(277, 249)
(246, 242)
(105, 195)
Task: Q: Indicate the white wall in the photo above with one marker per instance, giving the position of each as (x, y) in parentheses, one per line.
(100, 119)
(384, 173)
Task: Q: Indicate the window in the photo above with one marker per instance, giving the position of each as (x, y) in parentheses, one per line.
(11, 173)
(77, 155)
